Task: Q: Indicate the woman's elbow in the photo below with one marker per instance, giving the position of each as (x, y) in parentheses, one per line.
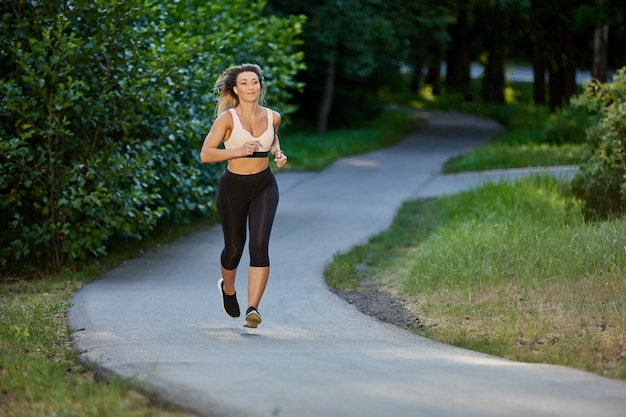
(205, 156)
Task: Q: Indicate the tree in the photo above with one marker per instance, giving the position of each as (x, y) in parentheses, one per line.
(355, 47)
(343, 39)
(458, 62)
(496, 24)
(600, 48)
(421, 28)
(601, 179)
(496, 18)
(537, 34)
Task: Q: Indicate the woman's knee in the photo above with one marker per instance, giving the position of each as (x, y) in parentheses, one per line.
(230, 258)
(259, 254)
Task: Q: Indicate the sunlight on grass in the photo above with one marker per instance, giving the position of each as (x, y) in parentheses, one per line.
(426, 93)
(510, 95)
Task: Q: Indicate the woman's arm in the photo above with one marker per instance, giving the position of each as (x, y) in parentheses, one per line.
(210, 148)
(275, 148)
(279, 157)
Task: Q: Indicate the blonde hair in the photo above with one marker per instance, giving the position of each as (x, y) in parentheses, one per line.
(225, 83)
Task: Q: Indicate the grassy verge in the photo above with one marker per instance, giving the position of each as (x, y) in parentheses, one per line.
(500, 155)
(510, 269)
(39, 374)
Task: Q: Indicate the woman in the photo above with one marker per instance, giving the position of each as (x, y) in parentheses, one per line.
(247, 190)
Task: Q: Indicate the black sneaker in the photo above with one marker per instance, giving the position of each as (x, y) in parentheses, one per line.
(229, 302)
(253, 318)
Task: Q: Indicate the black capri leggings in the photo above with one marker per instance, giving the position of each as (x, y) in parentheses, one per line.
(243, 198)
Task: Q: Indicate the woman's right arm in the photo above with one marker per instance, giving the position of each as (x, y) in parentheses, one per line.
(210, 148)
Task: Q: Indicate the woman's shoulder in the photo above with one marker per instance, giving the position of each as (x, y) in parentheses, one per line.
(275, 115)
(272, 110)
(225, 116)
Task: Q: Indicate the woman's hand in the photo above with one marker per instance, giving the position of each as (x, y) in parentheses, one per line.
(280, 158)
(249, 147)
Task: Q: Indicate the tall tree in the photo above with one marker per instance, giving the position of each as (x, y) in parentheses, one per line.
(496, 35)
(421, 27)
(537, 36)
(600, 47)
(458, 62)
(352, 47)
(343, 38)
(499, 16)
(602, 18)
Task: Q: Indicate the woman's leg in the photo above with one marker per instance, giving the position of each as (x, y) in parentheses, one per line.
(229, 280)
(232, 207)
(257, 281)
(261, 217)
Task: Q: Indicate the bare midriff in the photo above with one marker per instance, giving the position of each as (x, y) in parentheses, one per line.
(248, 166)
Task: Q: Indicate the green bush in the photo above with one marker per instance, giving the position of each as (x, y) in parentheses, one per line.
(567, 126)
(103, 109)
(601, 180)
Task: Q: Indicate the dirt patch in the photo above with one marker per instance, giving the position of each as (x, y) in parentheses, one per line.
(382, 305)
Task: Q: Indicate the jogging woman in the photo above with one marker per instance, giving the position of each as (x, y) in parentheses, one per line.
(247, 194)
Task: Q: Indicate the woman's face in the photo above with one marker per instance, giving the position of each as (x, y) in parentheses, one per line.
(248, 86)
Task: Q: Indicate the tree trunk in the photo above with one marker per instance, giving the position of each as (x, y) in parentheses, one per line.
(563, 68)
(600, 49)
(539, 45)
(496, 38)
(569, 75)
(433, 77)
(539, 75)
(416, 78)
(433, 69)
(561, 45)
(458, 75)
(327, 94)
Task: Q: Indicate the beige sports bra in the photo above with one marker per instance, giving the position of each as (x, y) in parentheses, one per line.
(239, 135)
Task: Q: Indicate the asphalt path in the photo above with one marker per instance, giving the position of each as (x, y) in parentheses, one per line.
(158, 318)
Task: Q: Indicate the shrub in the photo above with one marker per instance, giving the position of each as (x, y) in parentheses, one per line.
(601, 180)
(103, 109)
(567, 126)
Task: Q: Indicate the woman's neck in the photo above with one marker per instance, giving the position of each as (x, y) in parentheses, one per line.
(248, 109)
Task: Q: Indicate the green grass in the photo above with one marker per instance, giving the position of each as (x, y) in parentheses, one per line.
(39, 371)
(499, 155)
(308, 151)
(510, 269)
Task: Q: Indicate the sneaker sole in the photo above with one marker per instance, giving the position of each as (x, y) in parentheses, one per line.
(253, 319)
(219, 288)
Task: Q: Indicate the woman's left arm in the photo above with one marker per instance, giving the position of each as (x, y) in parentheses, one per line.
(279, 157)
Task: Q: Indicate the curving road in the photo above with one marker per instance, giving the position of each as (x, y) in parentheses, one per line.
(158, 318)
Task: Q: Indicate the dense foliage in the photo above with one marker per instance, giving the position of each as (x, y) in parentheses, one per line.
(359, 50)
(601, 181)
(104, 105)
(355, 48)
